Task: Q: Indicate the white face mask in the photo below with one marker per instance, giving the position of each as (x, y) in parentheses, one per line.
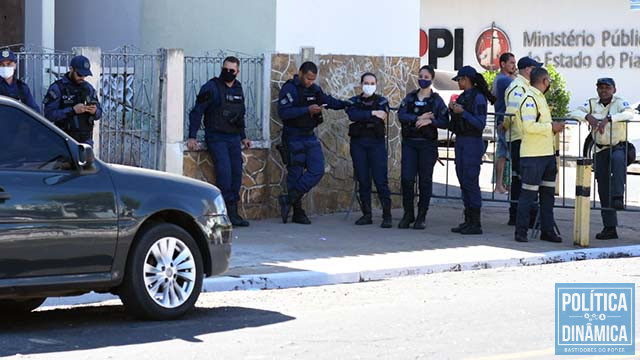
(6, 71)
(369, 89)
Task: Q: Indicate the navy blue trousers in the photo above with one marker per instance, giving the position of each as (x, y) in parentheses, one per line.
(418, 158)
(610, 171)
(226, 153)
(538, 177)
(469, 151)
(369, 157)
(306, 162)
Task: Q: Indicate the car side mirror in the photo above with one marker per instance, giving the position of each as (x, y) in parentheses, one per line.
(85, 156)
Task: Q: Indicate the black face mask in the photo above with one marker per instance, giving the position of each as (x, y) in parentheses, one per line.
(227, 75)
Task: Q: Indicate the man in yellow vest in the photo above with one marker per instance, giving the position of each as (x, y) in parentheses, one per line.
(538, 167)
(514, 96)
(606, 115)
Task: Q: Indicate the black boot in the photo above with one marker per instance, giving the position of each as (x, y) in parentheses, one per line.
(386, 214)
(467, 220)
(474, 227)
(365, 219)
(608, 233)
(552, 237)
(299, 216)
(236, 219)
(419, 224)
(286, 202)
(407, 218)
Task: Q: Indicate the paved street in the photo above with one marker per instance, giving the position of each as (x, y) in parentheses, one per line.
(484, 314)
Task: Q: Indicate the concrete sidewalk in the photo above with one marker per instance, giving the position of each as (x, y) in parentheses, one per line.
(332, 250)
(270, 254)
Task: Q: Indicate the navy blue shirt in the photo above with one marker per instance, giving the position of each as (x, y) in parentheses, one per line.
(18, 92)
(440, 111)
(500, 85)
(52, 109)
(477, 118)
(288, 107)
(361, 115)
(213, 101)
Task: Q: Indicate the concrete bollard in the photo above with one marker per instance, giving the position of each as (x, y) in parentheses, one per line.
(582, 214)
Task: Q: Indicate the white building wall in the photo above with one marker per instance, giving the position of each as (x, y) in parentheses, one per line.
(354, 27)
(515, 18)
(197, 26)
(105, 24)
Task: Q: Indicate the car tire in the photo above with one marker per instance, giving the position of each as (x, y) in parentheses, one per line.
(164, 273)
(19, 306)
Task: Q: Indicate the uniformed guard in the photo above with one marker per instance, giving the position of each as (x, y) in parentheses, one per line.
(10, 85)
(538, 164)
(605, 114)
(72, 104)
(421, 113)
(368, 149)
(221, 101)
(514, 96)
(300, 106)
(468, 119)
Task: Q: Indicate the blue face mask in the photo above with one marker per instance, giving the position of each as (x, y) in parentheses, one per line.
(424, 83)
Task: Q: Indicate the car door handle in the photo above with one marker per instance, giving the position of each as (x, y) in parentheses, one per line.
(4, 195)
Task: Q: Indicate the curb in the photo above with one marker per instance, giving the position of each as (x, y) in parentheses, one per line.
(314, 278)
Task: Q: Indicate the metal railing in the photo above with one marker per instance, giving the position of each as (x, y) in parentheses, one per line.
(130, 128)
(565, 193)
(200, 69)
(40, 67)
(445, 184)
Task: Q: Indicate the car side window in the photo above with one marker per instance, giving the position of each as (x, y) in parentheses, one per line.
(27, 144)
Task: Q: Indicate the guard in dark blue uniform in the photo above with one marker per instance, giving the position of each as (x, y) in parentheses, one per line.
(421, 113)
(10, 85)
(221, 101)
(468, 119)
(300, 106)
(368, 149)
(72, 104)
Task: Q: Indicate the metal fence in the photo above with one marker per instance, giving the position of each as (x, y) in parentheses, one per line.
(130, 89)
(199, 69)
(445, 183)
(571, 147)
(40, 67)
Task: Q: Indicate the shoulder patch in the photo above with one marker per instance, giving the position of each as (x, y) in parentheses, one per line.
(625, 103)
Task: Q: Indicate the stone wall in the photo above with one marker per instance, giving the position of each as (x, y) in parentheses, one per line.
(339, 75)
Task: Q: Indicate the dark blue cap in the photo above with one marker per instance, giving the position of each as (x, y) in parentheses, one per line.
(526, 62)
(606, 81)
(467, 71)
(81, 65)
(7, 54)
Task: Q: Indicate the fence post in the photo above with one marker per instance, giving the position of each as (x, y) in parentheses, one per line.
(172, 110)
(94, 54)
(582, 214)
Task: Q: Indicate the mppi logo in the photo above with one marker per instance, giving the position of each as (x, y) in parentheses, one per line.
(492, 43)
(440, 43)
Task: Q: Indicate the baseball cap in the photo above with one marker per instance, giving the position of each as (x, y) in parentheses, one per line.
(467, 71)
(7, 54)
(526, 62)
(81, 65)
(607, 81)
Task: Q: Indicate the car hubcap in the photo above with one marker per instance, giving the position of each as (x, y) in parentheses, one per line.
(169, 272)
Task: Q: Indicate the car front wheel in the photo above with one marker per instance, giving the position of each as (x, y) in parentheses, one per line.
(164, 273)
